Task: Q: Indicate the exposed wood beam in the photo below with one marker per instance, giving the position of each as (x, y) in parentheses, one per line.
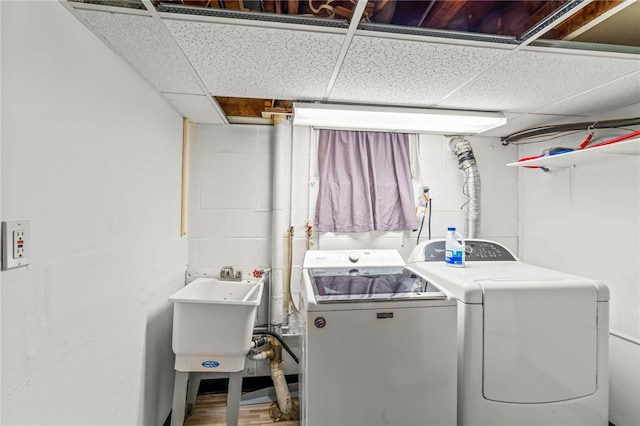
(558, 17)
(247, 107)
(588, 18)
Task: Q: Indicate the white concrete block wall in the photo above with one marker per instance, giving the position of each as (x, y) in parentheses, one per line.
(230, 198)
(230, 194)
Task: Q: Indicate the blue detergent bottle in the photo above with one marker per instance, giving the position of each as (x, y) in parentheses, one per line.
(454, 249)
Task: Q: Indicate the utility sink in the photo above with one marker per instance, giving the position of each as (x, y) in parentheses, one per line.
(213, 323)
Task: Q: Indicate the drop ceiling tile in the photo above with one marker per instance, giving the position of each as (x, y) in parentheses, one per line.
(529, 80)
(246, 61)
(407, 72)
(138, 40)
(617, 94)
(197, 108)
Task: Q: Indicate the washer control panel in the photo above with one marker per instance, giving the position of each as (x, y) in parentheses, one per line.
(351, 258)
(475, 250)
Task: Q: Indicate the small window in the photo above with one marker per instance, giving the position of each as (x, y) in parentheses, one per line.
(365, 182)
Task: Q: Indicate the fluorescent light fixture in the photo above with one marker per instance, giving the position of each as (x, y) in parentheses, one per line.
(391, 119)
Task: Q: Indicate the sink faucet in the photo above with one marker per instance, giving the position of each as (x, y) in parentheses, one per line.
(226, 271)
(227, 274)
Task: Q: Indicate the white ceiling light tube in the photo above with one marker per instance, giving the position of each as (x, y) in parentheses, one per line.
(391, 119)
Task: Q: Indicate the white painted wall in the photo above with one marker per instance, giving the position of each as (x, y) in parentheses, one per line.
(91, 155)
(584, 220)
(1, 127)
(230, 193)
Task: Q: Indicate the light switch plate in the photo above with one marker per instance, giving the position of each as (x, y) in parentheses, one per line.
(15, 244)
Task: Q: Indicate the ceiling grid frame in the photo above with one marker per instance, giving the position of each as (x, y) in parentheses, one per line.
(429, 71)
(254, 62)
(180, 53)
(527, 81)
(346, 44)
(523, 44)
(250, 23)
(547, 110)
(552, 22)
(79, 10)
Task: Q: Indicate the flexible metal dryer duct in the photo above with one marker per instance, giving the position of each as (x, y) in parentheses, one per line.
(471, 187)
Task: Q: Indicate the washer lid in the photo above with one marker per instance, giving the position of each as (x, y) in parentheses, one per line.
(369, 284)
(540, 340)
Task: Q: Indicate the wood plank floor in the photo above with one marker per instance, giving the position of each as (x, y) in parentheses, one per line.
(211, 410)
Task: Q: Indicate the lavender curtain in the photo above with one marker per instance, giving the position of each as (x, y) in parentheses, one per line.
(365, 182)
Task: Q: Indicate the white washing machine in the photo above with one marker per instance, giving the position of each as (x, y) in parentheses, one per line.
(379, 343)
(532, 342)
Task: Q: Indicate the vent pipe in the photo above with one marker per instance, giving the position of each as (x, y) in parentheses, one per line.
(471, 187)
(280, 217)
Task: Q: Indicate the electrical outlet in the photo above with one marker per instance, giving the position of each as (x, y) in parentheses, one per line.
(18, 244)
(15, 244)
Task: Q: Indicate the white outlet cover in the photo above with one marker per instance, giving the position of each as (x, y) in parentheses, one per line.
(9, 230)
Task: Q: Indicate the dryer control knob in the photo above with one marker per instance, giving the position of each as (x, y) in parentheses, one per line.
(354, 257)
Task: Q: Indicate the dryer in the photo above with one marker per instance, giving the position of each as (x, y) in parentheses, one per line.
(379, 343)
(532, 342)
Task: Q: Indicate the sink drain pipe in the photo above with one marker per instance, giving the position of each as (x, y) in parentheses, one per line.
(471, 187)
(285, 407)
(257, 342)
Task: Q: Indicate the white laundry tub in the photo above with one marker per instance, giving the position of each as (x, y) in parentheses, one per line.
(213, 323)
